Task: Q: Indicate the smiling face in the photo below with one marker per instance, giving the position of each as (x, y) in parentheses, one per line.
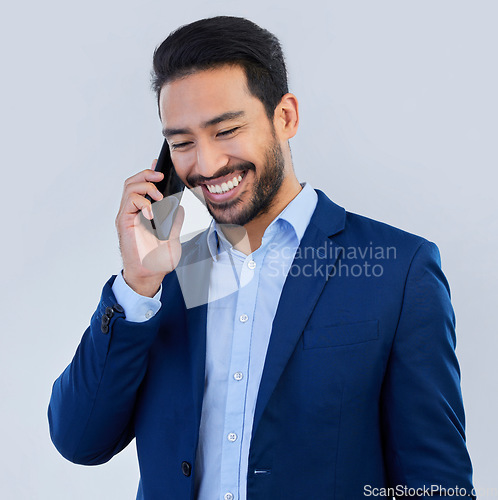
(222, 141)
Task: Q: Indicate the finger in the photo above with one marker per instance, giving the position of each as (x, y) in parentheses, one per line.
(137, 203)
(177, 224)
(144, 188)
(147, 175)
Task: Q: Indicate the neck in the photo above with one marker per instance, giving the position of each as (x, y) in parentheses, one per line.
(248, 238)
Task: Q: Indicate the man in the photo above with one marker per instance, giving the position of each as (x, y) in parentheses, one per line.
(293, 350)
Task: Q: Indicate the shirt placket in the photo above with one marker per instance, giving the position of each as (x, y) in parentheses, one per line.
(238, 376)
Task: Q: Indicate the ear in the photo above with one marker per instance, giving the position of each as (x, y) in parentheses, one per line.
(286, 117)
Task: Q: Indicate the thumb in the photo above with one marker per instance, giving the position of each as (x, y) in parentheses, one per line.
(177, 224)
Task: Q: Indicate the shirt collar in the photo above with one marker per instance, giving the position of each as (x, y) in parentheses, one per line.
(299, 211)
(296, 214)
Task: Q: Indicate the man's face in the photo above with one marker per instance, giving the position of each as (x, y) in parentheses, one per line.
(222, 141)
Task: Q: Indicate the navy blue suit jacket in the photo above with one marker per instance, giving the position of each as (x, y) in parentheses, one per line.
(360, 388)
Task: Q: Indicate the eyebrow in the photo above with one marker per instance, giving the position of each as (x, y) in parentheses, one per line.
(230, 115)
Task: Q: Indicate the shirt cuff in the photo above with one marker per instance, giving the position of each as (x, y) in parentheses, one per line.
(137, 308)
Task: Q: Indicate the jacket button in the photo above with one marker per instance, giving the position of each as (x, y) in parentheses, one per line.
(104, 326)
(109, 312)
(186, 469)
(118, 308)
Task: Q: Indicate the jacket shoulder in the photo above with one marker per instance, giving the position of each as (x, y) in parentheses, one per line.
(380, 231)
(356, 229)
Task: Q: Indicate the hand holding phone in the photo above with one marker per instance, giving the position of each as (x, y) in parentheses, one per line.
(147, 259)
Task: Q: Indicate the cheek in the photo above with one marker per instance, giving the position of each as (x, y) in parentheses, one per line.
(245, 150)
(184, 164)
(237, 149)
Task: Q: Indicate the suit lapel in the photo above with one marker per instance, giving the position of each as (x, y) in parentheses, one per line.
(313, 262)
(196, 328)
(193, 274)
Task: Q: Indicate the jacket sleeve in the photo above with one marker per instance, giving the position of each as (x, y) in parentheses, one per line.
(422, 408)
(91, 409)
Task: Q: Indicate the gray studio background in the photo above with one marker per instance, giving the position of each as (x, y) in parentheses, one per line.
(398, 111)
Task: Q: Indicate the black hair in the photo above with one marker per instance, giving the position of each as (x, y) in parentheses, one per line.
(217, 41)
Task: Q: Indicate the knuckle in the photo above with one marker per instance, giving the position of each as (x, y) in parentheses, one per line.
(139, 200)
(135, 198)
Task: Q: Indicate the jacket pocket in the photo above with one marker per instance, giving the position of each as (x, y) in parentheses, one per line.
(339, 335)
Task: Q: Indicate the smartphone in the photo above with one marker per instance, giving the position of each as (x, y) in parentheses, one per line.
(171, 187)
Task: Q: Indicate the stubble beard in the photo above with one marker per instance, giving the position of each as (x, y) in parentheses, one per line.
(265, 188)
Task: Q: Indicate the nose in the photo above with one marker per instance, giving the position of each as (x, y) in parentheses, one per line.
(210, 158)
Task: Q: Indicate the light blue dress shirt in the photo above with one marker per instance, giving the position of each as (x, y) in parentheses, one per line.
(244, 292)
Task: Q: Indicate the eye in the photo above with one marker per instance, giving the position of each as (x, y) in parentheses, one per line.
(179, 145)
(228, 132)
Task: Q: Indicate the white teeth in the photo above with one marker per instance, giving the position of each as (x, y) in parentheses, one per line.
(224, 186)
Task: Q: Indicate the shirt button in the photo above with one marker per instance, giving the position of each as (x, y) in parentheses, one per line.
(243, 318)
(238, 376)
(149, 314)
(232, 437)
(186, 469)
(251, 264)
(228, 496)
